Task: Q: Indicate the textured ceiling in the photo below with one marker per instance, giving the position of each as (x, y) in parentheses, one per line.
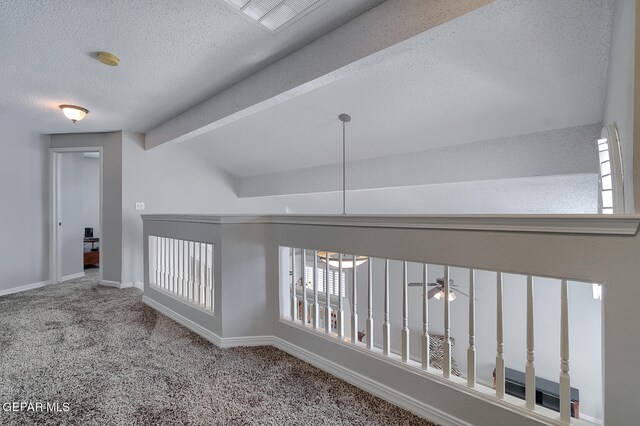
(512, 67)
(174, 54)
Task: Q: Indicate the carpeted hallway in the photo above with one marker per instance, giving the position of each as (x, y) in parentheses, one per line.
(115, 361)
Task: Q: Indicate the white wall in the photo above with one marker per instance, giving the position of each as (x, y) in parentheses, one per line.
(71, 198)
(565, 151)
(91, 194)
(567, 194)
(172, 179)
(619, 102)
(24, 224)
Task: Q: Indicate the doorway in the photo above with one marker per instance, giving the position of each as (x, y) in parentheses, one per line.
(76, 213)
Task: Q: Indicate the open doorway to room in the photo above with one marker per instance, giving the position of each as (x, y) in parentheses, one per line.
(76, 213)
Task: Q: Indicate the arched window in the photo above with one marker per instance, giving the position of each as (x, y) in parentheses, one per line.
(611, 187)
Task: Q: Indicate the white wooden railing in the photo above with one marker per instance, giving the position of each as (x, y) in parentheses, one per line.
(548, 260)
(183, 269)
(332, 314)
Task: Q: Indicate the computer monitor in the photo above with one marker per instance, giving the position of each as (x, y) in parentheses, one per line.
(88, 232)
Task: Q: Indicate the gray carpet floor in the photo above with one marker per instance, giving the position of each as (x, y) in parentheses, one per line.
(115, 361)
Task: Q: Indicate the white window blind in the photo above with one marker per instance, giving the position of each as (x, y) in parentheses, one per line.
(333, 281)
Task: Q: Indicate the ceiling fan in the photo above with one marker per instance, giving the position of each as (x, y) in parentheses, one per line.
(438, 289)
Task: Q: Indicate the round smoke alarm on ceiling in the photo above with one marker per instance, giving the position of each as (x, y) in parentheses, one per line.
(108, 59)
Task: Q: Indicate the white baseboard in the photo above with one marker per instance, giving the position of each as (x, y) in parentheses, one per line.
(221, 342)
(196, 328)
(378, 389)
(134, 284)
(72, 277)
(24, 288)
(232, 342)
(110, 283)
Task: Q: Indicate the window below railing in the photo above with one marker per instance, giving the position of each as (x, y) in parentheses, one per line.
(183, 269)
(485, 330)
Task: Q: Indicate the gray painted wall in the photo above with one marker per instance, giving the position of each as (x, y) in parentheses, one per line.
(24, 220)
(71, 198)
(111, 241)
(619, 102)
(172, 179)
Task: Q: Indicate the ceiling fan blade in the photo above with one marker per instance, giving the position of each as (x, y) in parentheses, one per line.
(433, 292)
(462, 292)
(415, 284)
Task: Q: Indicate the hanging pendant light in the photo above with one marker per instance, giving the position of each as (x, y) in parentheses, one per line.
(345, 118)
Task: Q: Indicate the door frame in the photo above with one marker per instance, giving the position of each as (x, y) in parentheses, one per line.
(55, 243)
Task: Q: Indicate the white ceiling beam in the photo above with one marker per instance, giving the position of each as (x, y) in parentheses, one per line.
(338, 53)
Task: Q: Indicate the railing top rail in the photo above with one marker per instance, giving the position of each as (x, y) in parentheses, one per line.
(565, 224)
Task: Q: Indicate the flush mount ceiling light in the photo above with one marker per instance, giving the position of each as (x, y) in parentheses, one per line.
(274, 15)
(108, 58)
(73, 112)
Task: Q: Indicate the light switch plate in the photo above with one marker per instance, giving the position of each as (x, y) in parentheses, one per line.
(139, 205)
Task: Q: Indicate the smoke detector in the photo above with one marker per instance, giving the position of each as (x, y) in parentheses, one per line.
(274, 15)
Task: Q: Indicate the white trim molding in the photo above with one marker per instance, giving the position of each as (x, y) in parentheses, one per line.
(221, 342)
(375, 388)
(72, 277)
(134, 284)
(25, 287)
(566, 224)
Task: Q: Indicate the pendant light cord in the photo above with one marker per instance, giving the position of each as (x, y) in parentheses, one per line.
(344, 169)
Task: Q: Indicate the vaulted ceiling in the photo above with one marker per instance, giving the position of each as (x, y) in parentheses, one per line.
(506, 69)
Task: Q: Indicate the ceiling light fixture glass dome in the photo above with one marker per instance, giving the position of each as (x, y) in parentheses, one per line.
(73, 112)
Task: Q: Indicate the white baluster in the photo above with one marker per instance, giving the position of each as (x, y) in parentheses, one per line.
(192, 289)
(211, 277)
(207, 292)
(386, 327)
(499, 338)
(405, 314)
(179, 267)
(305, 316)
(446, 367)
(165, 245)
(172, 266)
(316, 306)
(174, 262)
(565, 382)
(198, 299)
(370, 305)
(425, 318)
(156, 240)
(185, 267)
(327, 307)
(294, 298)
(471, 350)
(530, 372)
(354, 304)
(340, 306)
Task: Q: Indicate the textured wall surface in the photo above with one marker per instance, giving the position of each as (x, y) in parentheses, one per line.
(24, 216)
